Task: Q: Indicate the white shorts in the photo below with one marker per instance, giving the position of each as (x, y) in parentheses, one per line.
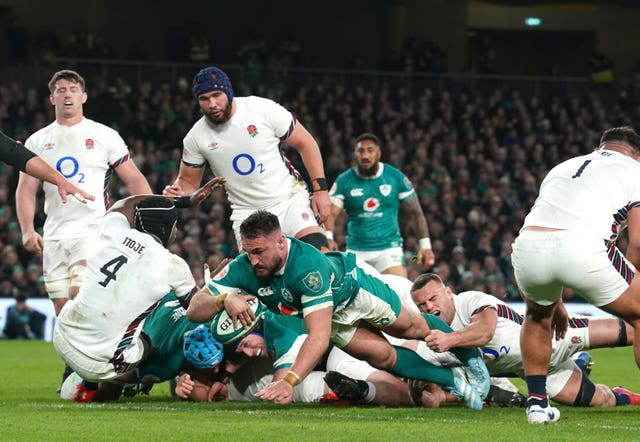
(381, 259)
(257, 373)
(375, 303)
(558, 378)
(545, 262)
(58, 258)
(294, 214)
(90, 368)
(560, 366)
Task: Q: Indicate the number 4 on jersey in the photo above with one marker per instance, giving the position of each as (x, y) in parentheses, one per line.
(115, 265)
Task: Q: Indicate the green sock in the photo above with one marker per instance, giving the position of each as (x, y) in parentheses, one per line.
(410, 365)
(462, 353)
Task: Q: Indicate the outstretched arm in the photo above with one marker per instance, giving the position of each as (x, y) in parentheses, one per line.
(412, 209)
(188, 180)
(302, 141)
(318, 325)
(477, 334)
(330, 225)
(126, 206)
(15, 154)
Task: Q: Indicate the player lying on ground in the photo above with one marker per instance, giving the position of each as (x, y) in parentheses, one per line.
(177, 346)
(99, 333)
(483, 320)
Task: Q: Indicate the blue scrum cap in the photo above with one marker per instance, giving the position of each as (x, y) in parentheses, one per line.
(212, 79)
(201, 349)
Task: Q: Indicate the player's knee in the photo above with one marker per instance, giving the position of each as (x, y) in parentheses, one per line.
(585, 394)
(317, 240)
(58, 289)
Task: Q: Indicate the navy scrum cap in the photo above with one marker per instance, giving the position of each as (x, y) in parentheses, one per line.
(212, 79)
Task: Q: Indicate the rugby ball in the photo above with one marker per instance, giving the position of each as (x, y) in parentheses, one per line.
(222, 325)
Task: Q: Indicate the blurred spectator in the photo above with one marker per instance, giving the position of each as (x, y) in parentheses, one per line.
(23, 322)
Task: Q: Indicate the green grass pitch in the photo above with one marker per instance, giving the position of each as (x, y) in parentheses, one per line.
(31, 411)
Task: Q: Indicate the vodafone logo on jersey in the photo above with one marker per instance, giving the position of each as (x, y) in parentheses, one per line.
(371, 204)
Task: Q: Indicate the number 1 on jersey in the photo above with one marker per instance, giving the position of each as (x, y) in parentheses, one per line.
(581, 169)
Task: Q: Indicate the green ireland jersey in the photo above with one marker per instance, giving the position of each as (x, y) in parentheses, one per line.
(372, 204)
(310, 280)
(280, 336)
(166, 327)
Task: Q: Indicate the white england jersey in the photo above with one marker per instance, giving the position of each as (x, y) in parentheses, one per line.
(592, 193)
(85, 153)
(128, 273)
(246, 151)
(502, 353)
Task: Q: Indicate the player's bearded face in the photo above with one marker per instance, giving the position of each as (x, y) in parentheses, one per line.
(215, 107)
(367, 158)
(265, 254)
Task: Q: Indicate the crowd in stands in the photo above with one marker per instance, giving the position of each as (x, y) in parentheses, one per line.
(476, 160)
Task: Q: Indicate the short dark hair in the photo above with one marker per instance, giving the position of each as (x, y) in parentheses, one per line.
(66, 74)
(625, 134)
(259, 223)
(369, 136)
(423, 280)
(156, 216)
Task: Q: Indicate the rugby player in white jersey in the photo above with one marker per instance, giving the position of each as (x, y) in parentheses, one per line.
(99, 333)
(482, 320)
(569, 240)
(239, 137)
(86, 153)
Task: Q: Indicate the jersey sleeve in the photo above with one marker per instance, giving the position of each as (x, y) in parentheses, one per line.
(31, 143)
(180, 277)
(406, 189)
(191, 155)
(336, 193)
(279, 118)
(314, 284)
(117, 149)
(229, 279)
(472, 302)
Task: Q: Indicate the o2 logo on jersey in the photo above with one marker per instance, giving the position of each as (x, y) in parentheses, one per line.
(371, 204)
(244, 164)
(490, 353)
(69, 167)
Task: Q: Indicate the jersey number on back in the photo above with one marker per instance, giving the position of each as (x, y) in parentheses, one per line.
(581, 169)
(111, 268)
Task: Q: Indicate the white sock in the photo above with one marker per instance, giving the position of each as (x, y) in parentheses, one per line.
(372, 392)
